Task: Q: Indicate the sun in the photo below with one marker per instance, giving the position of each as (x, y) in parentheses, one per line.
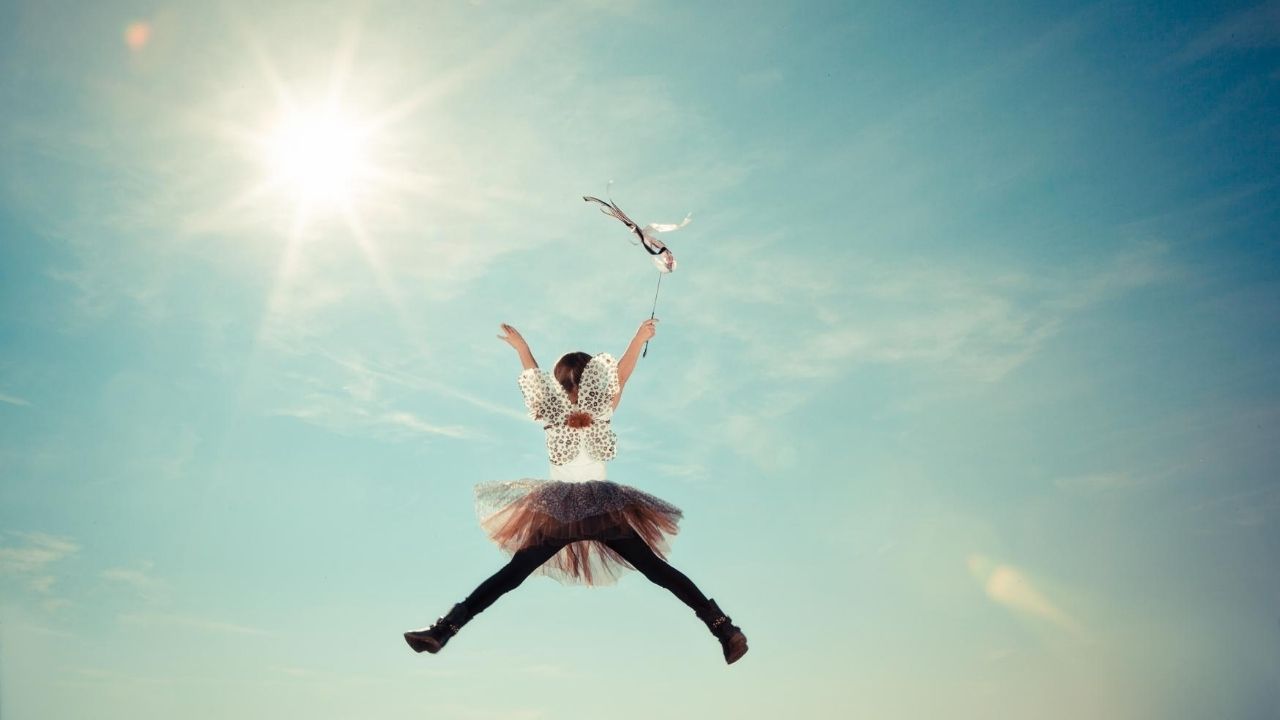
(318, 156)
(324, 161)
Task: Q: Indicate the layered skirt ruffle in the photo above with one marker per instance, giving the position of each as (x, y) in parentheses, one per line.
(585, 515)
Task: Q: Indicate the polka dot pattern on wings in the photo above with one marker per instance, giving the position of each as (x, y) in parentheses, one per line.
(549, 404)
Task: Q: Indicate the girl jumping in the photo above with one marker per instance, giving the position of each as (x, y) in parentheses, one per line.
(577, 527)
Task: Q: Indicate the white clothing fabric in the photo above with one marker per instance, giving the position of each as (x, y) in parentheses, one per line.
(580, 469)
(549, 404)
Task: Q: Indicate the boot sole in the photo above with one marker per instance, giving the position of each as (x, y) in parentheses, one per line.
(422, 644)
(737, 648)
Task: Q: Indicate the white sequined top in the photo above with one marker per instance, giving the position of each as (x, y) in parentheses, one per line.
(580, 469)
(577, 454)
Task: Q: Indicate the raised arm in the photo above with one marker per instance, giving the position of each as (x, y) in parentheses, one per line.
(627, 364)
(513, 338)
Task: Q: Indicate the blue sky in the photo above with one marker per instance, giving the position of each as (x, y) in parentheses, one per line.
(966, 381)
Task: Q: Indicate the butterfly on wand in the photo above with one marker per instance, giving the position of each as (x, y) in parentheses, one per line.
(647, 237)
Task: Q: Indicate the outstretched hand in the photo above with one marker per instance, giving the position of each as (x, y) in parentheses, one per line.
(647, 330)
(513, 337)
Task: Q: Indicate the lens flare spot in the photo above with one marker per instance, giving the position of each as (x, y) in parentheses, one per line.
(137, 35)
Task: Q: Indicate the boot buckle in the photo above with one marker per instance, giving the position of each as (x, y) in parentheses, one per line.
(440, 623)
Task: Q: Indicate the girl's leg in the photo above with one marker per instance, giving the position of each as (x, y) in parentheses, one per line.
(522, 564)
(636, 551)
(432, 639)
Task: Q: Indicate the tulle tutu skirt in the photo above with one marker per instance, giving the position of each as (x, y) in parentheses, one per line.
(526, 513)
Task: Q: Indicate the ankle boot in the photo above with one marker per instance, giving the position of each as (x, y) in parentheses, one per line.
(732, 640)
(433, 638)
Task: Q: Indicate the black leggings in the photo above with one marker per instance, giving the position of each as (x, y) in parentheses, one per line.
(632, 548)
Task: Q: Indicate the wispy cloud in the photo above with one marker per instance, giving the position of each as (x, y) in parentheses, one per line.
(416, 424)
(756, 435)
(12, 400)
(180, 445)
(1096, 483)
(353, 395)
(90, 676)
(189, 622)
(42, 583)
(972, 323)
(153, 606)
(765, 79)
(1253, 27)
(35, 552)
(474, 712)
(357, 412)
(367, 375)
(685, 471)
(47, 631)
(33, 562)
(787, 327)
(336, 414)
(330, 678)
(548, 670)
(150, 589)
(1244, 509)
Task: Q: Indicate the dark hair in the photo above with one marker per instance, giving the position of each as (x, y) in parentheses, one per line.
(569, 370)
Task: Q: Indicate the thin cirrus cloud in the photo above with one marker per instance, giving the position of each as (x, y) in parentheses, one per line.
(981, 324)
(361, 407)
(149, 588)
(33, 562)
(1254, 27)
(157, 607)
(1096, 483)
(1248, 508)
(188, 622)
(367, 375)
(343, 416)
(35, 552)
(12, 400)
(809, 322)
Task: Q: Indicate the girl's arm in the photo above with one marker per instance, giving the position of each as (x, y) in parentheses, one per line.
(513, 338)
(627, 364)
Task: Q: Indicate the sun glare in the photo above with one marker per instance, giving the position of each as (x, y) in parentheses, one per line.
(318, 156)
(323, 164)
